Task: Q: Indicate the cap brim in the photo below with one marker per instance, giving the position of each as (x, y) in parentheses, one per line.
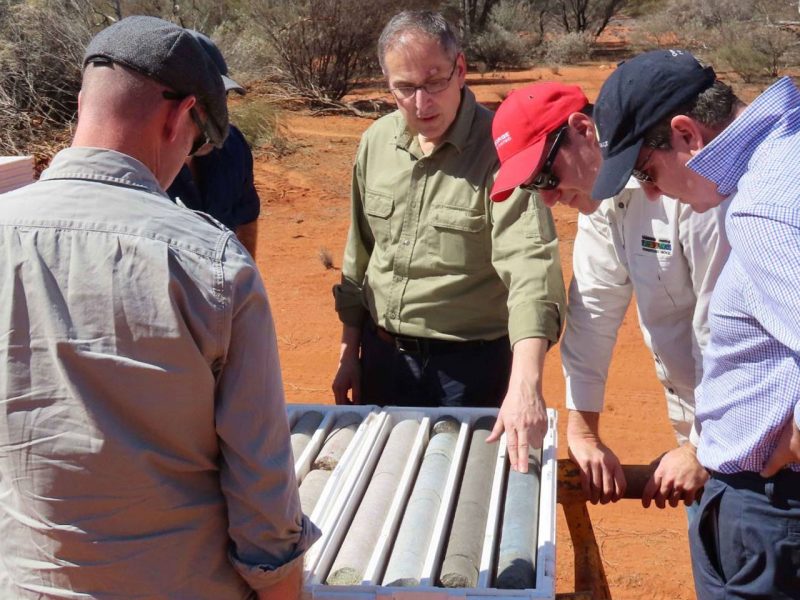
(230, 84)
(517, 170)
(615, 171)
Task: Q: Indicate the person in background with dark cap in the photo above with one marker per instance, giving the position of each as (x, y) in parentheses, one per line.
(661, 251)
(141, 453)
(219, 181)
(665, 115)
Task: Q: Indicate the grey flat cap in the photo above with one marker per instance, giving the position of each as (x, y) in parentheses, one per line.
(216, 55)
(169, 54)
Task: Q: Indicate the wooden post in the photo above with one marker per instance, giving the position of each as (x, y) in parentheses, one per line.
(590, 574)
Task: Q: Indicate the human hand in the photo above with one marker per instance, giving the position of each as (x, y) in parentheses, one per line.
(787, 451)
(524, 419)
(602, 478)
(347, 378)
(679, 476)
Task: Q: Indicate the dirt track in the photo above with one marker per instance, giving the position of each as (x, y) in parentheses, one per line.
(305, 211)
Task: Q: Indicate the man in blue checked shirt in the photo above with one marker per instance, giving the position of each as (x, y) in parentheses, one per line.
(665, 118)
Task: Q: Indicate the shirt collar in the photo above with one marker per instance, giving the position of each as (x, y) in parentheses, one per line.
(724, 160)
(458, 132)
(100, 164)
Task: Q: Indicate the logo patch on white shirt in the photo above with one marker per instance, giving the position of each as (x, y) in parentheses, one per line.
(659, 246)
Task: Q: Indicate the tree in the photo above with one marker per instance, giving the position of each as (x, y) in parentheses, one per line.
(590, 16)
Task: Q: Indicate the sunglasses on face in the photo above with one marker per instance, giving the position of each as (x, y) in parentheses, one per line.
(639, 174)
(545, 179)
(203, 138)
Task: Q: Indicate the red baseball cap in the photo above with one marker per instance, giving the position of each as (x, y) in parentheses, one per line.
(521, 126)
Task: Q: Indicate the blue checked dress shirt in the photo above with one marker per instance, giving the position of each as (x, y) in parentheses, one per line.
(751, 382)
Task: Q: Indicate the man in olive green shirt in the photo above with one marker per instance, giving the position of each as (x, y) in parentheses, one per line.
(438, 283)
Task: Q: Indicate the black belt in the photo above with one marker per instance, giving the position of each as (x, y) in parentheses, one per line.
(420, 345)
(786, 482)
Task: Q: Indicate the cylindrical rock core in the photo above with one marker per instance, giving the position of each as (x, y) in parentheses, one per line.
(416, 530)
(516, 564)
(461, 565)
(337, 441)
(303, 430)
(361, 538)
(311, 489)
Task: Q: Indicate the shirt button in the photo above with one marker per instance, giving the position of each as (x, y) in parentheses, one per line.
(406, 242)
(621, 205)
(392, 315)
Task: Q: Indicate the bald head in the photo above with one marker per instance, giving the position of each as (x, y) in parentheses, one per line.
(123, 110)
(114, 93)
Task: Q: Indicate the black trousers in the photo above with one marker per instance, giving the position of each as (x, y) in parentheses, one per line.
(439, 374)
(745, 541)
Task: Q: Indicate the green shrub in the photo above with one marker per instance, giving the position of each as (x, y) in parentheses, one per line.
(496, 46)
(568, 49)
(258, 120)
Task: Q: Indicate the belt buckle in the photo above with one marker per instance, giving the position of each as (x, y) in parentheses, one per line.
(412, 345)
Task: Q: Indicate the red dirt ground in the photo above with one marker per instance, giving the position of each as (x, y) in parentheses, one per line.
(305, 212)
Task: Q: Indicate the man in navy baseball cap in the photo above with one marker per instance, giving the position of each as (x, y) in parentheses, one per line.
(641, 92)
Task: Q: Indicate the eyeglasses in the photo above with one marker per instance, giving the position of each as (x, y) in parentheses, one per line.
(639, 174)
(545, 179)
(202, 139)
(434, 86)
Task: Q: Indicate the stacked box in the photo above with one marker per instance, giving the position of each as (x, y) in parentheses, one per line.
(15, 172)
(410, 462)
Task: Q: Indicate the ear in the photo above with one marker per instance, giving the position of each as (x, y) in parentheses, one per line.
(178, 112)
(687, 134)
(583, 126)
(461, 67)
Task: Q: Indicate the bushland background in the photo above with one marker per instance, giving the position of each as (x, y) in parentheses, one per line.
(315, 86)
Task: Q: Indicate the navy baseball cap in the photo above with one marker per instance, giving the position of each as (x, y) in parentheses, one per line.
(216, 55)
(635, 97)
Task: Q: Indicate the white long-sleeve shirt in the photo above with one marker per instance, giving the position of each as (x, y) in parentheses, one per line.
(669, 257)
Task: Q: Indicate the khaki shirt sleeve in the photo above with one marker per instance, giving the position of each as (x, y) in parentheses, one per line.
(348, 295)
(525, 256)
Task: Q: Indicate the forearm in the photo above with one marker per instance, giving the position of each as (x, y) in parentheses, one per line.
(351, 342)
(583, 424)
(528, 364)
(248, 235)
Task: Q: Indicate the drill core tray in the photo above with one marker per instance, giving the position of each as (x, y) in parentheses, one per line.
(341, 496)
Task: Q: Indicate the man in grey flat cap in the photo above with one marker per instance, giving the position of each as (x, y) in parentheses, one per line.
(139, 456)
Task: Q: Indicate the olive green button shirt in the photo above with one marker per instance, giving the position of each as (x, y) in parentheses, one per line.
(430, 255)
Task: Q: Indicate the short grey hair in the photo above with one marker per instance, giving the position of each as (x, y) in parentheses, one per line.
(715, 107)
(424, 22)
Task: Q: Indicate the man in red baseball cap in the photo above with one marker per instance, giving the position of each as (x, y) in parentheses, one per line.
(662, 250)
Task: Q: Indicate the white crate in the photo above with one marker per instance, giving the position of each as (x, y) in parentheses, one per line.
(15, 172)
(342, 494)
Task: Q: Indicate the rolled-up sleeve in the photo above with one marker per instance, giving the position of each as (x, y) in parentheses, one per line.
(267, 528)
(525, 256)
(348, 295)
(599, 295)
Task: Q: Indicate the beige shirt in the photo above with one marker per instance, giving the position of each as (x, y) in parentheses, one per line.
(668, 257)
(429, 254)
(144, 443)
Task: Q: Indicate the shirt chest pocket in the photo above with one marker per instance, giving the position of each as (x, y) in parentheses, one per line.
(664, 272)
(458, 239)
(379, 208)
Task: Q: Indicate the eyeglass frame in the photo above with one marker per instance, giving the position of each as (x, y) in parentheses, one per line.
(445, 82)
(202, 139)
(545, 179)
